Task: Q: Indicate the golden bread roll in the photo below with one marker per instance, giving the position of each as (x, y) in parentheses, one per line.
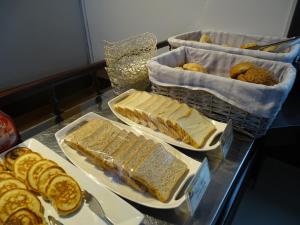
(16, 199)
(35, 171)
(248, 45)
(5, 175)
(25, 217)
(65, 194)
(260, 76)
(241, 77)
(194, 67)
(9, 184)
(205, 39)
(11, 156)
(23, 164)
(240, 68)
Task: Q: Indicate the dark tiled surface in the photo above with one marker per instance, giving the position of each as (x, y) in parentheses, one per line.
(274, 199)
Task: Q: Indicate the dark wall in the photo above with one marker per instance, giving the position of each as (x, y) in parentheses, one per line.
(38, 38)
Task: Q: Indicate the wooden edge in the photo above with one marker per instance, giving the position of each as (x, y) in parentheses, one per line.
(61, 76)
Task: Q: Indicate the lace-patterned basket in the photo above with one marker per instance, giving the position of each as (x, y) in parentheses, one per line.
(126, 61)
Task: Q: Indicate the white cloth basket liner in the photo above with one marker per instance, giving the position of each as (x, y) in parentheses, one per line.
(235, 40)
(260, 100)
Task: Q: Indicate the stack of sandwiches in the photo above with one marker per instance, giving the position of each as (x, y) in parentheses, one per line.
(168, 116)
(142, 163)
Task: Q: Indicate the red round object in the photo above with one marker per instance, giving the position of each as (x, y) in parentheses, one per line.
(8, 132)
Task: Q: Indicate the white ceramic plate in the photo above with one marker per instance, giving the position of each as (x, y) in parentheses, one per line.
(116, 208)
(220, 127)
(113, 182)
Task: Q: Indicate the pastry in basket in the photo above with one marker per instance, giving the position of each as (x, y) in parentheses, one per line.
(271, 48)
(23, 164)
(16, 199)
(45, 178)
(9, 184)
(258, 76)
(12, 155)
(35, 171)
(205, 39)
(249, 72)
(6, 174)
(65, 194)
(240, 68)
(25, 217)
(194, 67)
(132, 158)
(168, 116)
(248, 45)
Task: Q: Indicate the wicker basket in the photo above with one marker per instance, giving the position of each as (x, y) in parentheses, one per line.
(234, 40)
(252, 108)
(217, 109)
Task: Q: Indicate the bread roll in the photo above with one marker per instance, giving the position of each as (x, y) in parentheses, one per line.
(240, 68)
(205, 39)
(194, 67)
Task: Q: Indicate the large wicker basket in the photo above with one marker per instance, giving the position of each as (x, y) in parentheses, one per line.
(252, 108)
(234, 40)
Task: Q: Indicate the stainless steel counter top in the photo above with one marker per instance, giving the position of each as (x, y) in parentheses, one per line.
(223, 172)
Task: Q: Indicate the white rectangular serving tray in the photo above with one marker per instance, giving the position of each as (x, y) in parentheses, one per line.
(113, 182)
(220, 127)
(117, 209)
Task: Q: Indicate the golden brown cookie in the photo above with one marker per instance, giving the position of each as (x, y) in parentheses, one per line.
(25, 216)
(194, 67)
(11, 156)
(240, 68)
(2, 167)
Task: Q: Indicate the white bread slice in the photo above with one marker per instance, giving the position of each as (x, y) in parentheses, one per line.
(149, 112)
(15, 199)
(144, 150)
(113, 147)
(161, 172)
(123, 152)
(128, 109)
(84, 131)
(197, 129)
(119, 106)
(97, 150)
(9, 184)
